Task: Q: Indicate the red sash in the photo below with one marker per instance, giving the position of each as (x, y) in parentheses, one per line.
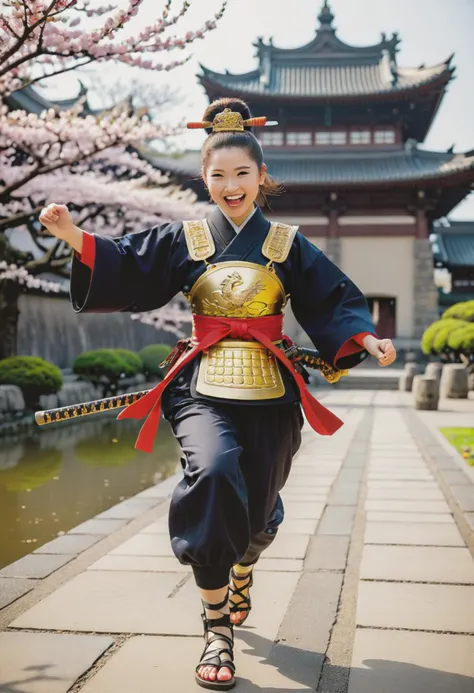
(206, 332)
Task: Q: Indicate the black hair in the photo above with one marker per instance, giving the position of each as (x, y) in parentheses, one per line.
(244, 140)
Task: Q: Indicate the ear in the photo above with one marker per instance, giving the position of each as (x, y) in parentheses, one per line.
(204, 177)
(263, 171)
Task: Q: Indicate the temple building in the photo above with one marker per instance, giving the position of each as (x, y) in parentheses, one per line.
(346, 148)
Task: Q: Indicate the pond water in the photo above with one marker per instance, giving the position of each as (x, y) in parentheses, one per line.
(57, 477)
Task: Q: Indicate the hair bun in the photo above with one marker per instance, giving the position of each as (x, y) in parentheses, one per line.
(236, 105)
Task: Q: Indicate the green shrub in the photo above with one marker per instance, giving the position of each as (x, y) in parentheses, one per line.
(105, 368)
(430, 340)
(152, 355)
(132, 359)
(33, 375)
(461, 311)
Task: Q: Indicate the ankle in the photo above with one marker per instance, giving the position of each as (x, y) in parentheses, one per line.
(242, 571)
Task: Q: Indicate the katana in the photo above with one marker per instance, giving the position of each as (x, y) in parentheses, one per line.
(299, 356)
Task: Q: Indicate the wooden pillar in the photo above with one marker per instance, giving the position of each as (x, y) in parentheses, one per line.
(333, 248)
(421, 224)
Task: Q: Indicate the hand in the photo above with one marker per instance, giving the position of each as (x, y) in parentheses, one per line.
(382, 349)
(58, 220)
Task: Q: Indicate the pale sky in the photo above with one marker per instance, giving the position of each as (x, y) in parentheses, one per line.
(430, 31)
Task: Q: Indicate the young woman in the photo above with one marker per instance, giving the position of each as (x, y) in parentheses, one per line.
(231, 396)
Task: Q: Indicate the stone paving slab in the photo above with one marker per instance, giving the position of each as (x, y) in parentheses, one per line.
(288, 546)
(148, 564)
(145, 545)
(46, 662)
(310, 482)
(377, 516)
(337, 521)
(464, 496)
(69, 544)
(129, 509)
(36, 565)
(403, 662)
(301, 526)
(417, 564)
(327, 553)
(423, 534)
(304, 510)
(408, 506)
(403, 494)
(158, 527)
(12, 589)
(110, 602)
(140, 602)
(399, 475)
(459, 478)
(142, 664)
(446, 608)
(403, 485)
(95, 526)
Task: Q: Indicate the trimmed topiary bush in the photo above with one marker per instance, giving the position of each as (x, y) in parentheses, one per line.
(152, 356)
(33, 375)
(431, 332)
(105, 368)
(461, 311)
(132, 359)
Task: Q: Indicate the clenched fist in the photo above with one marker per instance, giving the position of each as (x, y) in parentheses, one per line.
(58, 220)
(382, 349)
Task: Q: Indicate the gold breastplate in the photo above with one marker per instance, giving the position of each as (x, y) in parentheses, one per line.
(239, 369)
(237, 290)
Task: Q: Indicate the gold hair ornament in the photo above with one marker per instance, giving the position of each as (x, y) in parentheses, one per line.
(230, 121)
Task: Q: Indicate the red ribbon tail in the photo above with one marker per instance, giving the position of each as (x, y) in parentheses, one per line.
(148, 431)
(319, 418)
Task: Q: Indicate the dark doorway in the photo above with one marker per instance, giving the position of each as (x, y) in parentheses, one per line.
(384, 315)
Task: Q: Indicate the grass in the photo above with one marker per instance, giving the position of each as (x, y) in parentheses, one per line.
(463, 441)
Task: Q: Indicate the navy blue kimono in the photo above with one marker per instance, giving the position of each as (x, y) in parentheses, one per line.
(236, 454)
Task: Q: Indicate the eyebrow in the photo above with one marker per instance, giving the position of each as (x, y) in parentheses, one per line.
(239, 168)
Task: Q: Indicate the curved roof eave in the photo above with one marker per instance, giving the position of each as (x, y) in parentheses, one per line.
(439, 80)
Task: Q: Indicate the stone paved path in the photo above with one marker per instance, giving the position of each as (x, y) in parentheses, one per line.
(369, 587)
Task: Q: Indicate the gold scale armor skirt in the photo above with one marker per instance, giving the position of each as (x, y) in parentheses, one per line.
(238, 369)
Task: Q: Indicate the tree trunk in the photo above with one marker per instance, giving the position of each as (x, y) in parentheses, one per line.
(9, 313)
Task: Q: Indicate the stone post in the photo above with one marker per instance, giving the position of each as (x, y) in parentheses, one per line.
(425, 392)
(405, 382)
(454, 381)
(434, 370)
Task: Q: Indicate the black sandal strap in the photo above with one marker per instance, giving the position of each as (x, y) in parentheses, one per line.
(218, 605)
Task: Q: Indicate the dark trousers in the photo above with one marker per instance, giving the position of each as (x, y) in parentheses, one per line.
(227, 507)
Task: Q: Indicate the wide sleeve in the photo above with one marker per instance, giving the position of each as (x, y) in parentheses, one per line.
(139, 272)
(329, 306)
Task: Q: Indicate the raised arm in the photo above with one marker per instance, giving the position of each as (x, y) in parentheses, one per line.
(139, 272)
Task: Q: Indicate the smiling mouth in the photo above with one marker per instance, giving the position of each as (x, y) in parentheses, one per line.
(234, 200)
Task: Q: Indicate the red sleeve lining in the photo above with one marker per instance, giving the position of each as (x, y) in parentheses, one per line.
(352, 345)
(87, 257)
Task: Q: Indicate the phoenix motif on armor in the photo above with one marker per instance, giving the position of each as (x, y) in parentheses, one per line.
(236, 299)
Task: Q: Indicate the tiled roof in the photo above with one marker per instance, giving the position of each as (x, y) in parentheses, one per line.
(456, 244)
(329, 80)
(373, 167)
(309, 166)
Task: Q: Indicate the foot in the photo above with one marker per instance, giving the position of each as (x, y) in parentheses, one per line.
(239, 597)
(212, 671)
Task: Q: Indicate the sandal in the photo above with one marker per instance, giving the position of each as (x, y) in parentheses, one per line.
(245, 603)
(211, 656)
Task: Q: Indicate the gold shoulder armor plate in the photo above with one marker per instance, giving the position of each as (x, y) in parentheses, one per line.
(199, 239)
(277, 244)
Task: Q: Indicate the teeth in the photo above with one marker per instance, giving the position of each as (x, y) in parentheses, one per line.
(233, 197)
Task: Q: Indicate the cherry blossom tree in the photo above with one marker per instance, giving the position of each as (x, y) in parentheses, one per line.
(71, 155)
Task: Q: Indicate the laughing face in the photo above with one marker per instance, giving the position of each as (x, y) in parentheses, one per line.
(233, 178)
